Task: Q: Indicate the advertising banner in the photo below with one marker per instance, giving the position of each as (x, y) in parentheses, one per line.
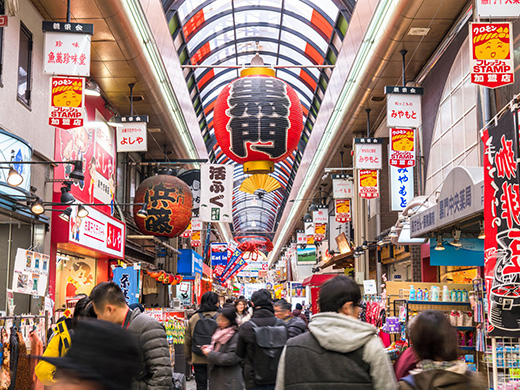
(132, 137)
(216, 193)
(184, 293)
(497, 9)
(368, 184)
(401, 187)
(195, 238)
(309, 228)
(301, 238)
(219, 270)
(238, 265)
(307, 255)
(102, 166)
(128, 279)
(31, 272)
(502, 225)
(232, 261)
(403, 107)
(491, 54)
(368, 153)
(342, 210)
(67, 102)
(402, 148)
(218, 253)
(66, 54)
(342, 187)
(320, 230)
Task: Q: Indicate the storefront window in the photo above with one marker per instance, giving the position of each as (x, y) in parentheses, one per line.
(25, 65)
(74, 275)
(455, 139)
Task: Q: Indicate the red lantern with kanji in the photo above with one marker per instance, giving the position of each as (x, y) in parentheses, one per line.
(168, 203)
(258, 120)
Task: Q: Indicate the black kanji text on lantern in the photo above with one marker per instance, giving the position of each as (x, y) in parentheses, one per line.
(159, 198)
(259, 116)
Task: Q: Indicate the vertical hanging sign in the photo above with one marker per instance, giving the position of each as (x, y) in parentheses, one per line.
(216, 193)
(342, 210)
(342, 187)
(402, 148)
(368, 153)
(131, 133)
(368, 183)
(491, 48)
(67, 102)
(403, 106)
(401, 187)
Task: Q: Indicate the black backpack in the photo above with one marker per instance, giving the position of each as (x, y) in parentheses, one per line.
(202, 333)
(269, 344)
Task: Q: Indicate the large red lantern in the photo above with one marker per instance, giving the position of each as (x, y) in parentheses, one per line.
(258, 120)
(169, 204)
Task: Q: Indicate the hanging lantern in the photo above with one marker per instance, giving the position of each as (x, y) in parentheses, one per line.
(258, 121)
(169, 203)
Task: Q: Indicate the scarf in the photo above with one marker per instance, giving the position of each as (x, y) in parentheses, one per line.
(221, 337)
(428, 365)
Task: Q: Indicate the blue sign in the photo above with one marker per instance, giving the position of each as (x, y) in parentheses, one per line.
(218, 253)
(470, 254)
(128, 279)
(197, 263)
(189, 263)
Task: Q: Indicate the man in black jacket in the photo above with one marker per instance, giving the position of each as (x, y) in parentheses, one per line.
(295, 325)
(110, 305)
(263, 316)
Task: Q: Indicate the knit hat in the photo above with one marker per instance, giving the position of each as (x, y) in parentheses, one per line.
(262, 298)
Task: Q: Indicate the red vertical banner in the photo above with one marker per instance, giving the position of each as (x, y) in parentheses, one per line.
(368, 183)
(402, 148)
(342, 210)
(502, 226)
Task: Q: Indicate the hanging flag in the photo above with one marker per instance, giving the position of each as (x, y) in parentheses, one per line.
(216, 193)
(195, 238)
(342, 207)
(127, 277)
(368, 184)
(402, 148)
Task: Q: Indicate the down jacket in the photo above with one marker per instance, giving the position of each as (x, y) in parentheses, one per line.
(155, 353)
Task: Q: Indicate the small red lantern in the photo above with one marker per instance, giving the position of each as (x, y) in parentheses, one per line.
(168, 203)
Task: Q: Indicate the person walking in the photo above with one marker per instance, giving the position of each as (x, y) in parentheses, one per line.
(260, 343)
(297, 312)
(339, 351)
(155, 370)
(295, 325)
(225, 371)
(243, 314)
(435, 342)
(201, 327)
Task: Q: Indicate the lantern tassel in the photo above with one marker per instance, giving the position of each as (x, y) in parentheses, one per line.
(257, 182)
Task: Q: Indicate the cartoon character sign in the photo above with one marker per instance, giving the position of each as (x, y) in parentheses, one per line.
(66, 108)
(368, 184)
(80, 279)
(402, 150)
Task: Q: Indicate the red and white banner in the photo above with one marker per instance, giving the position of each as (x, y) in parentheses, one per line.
(368, 183)
(319, 231)
(187, 232)
(402, 148)
(342, 207)
(219, 270)
(491, 54)
(67, 102)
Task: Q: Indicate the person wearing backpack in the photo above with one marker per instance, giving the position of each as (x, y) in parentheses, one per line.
(435, 342)
(199, 331)
(260, 343)
(339, 351)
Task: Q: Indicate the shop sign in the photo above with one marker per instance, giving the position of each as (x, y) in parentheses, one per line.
(192, 179)
(309, 228)
(368, 184)
(219, 270)
(66, 54)
(127, 277)
(238, 265)
(502, 225)
(232, 261)
(67, 102)
(31, 272)
(319, 231)
(216, 193)
(497, 9)
(187, 232)
(320, 216)
(342, 187)
(403, 106)
(4, 19)
(195, 238)
(401, 187)
(218, 253)
(196, 223)
(102, 166)
(368, 153)
(342, 208)
(402, 148)
(424, 222)
(307, 255)
(184, 293)
(301, 238)
(131, 133)
(491, 53)
(98, 232)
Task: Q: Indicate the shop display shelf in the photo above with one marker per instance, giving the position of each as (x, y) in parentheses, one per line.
(438, 303)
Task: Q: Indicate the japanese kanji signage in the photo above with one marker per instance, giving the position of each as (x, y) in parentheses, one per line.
(342, 207)
(67, 54)
(195, 238)
(132, 137)
(75, 28)
(301, 238)
(342, 187)
(67, 102)
(216, 193)
(368, 153)
(491, 48)
(127, 278)
(368, 183)
(320, 216)
(403, 106)
(401, 187)
(498, 9)
(402, 148)
(502, 225)
(309, 228)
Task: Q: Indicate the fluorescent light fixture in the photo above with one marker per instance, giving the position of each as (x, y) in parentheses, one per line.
(419, 31)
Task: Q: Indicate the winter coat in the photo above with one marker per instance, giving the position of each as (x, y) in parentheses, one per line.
(453, 378)
(188, 339)
(23, 376)
(244, 317)
(155, 353)
(298, 313)
(246, 342)
(334, 335)
(225, 371)
(295, 326)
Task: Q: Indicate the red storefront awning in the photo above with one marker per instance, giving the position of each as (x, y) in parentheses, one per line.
(317, 280)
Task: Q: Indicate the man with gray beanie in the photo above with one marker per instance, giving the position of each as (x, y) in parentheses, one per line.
(260, 343)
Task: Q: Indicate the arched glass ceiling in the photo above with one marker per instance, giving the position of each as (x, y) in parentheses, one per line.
(283, 32)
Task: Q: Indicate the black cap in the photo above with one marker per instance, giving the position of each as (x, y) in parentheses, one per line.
(262, 298)
(101, 352)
